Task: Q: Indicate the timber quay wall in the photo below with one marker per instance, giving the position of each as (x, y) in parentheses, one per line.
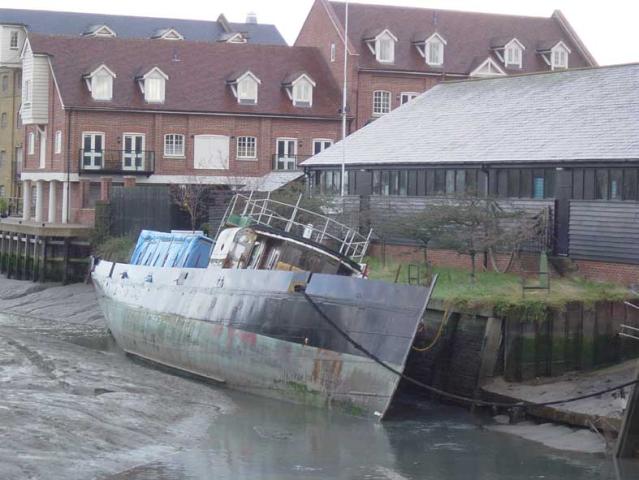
(44, 252)
(520, 346)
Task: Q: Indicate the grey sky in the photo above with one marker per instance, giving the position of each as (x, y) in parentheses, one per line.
(607, 28)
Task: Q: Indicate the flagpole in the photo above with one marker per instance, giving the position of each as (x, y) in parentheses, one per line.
(343, 186)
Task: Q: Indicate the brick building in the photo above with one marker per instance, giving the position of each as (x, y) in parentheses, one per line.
(16, 24)
(396, 53)
(103, 110)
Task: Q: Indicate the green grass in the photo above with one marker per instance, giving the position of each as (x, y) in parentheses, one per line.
(503, 291)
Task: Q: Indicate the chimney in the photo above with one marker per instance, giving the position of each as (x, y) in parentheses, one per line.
(251, 17)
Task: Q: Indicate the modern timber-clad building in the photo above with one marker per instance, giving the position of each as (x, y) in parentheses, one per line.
(566, 139)
(396, 53)
(16, 24)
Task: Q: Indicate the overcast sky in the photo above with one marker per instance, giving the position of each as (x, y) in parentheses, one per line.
(608, 28)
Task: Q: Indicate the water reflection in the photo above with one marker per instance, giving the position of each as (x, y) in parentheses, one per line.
(271, 440)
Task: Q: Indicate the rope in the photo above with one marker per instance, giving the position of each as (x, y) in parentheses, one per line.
(452, 396)
(443, 323)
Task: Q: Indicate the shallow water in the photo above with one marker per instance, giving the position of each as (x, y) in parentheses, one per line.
(264, 439)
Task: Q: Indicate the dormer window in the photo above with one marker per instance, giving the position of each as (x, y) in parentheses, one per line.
(382, 46)
(168, 34)
(100, 83)
(432, 49)
(559, 56)
(513, 53)
(236, 38)
(99, 31)
(300, 90)
(245, 87)
(153, 85)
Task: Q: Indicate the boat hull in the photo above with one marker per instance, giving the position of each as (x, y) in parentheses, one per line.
(264, 338)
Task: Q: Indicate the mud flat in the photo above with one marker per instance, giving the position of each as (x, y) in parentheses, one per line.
(71, 404)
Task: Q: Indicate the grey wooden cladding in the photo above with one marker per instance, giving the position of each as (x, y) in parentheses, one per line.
(605, 231)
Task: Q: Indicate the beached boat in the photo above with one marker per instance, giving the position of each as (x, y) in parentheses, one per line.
(248, 316)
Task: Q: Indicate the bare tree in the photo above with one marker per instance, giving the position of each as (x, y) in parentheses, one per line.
(191, 197)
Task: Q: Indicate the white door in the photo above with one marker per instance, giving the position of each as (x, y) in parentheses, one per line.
(286, 153)
(92, 151)
(133, 151)
(211, 152)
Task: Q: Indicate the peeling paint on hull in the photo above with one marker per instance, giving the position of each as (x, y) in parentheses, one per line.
(191, 327)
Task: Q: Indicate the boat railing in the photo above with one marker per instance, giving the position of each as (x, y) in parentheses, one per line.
(245, 210)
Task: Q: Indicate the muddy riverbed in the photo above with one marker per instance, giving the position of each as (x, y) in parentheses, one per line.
(73, 406)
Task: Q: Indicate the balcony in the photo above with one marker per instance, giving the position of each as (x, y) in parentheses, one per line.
(288, 162)
(116, 162)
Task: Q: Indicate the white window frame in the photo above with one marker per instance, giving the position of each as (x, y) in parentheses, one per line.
(248, 95)
(174, 153)
(297, 90)
(14, 40)
(385, 36)
(434, 42)
(333, 52)
(93, 155)
(58, 141)
(154, 95)
(27, 92)
(513, 54)
(408, 95)
(563, 52)
(289, 159)
(323, 141)
(246, 154)
(377, 112)
(133, 156)
(31, 143)
(96, 92)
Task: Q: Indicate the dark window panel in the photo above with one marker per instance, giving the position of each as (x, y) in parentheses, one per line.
(385, 182)
(513, 183)
(502, 183)
(471, 182)
(549, 183)
(403, 182)
(460, 182)
(589, 183)
(394, 182)
(440, 181)
(525, 183)
(630, 184)
(601, 184)
(483, 182)
(450, 182)
(421, 182)
(412, 183)
(377, 182)
(578, 183)
(616, 185)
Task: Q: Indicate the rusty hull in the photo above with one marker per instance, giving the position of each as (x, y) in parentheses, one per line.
(249, 330)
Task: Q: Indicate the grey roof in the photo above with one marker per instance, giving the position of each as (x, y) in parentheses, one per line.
(72, 23)
(573, 115)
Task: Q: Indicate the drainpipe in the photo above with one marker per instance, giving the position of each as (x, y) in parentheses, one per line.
(66, 192)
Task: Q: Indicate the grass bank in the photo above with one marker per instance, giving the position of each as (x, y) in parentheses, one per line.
(503, 291)
(115, 249)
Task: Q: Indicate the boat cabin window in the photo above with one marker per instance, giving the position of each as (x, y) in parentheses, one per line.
(255, 256)
(273, 258)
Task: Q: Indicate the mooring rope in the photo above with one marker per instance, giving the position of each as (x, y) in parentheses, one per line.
(443, 323)
(453, 396)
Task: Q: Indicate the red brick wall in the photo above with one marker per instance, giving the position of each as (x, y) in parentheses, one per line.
(597, 271)
(395, 83)
(624, 274)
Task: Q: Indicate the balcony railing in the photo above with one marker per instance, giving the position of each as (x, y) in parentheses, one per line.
(288, 162)
(117, 162)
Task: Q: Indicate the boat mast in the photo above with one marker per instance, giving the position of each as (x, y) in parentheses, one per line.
(343, 189)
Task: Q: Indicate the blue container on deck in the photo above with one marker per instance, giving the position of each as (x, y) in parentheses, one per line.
(160, 249)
